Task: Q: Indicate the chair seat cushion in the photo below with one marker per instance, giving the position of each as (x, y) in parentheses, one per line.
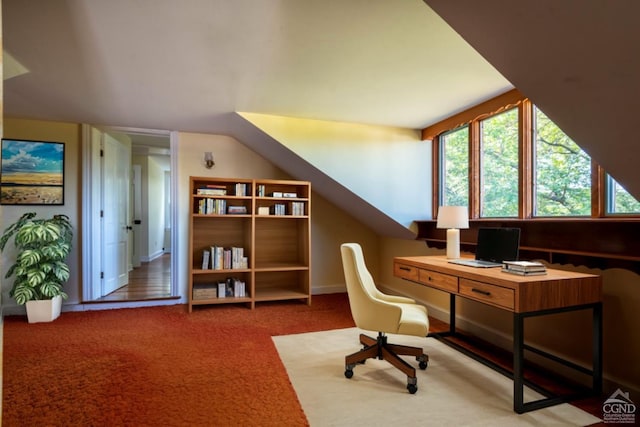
(413, 320)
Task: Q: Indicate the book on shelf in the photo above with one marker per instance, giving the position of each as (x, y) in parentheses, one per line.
(524, 268)
(217, 257)
(261, 190)
(222, 289)
(211, 190)
(210, 206)
(206, 255)
(297, 208)
(278, 209)
(228, 258)
(242, 189)
(235, 287)
(236, 210)
(239, 289)
(290, 195)
(275, 194)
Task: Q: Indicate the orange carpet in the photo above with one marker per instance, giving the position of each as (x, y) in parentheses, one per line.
(159, 366)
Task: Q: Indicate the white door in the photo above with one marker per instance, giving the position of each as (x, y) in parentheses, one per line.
(116, 160)
(136, 186)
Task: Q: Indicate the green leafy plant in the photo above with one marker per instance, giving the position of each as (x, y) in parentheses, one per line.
(43, 246)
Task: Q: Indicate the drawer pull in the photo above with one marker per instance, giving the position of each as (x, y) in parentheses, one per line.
(480, 291)
(405, 268)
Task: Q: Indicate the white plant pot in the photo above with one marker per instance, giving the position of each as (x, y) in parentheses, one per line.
(45, 310)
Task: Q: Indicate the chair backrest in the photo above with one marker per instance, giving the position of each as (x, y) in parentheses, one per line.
(368, 310)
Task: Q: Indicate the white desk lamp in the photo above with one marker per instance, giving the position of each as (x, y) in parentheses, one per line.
(453, 218)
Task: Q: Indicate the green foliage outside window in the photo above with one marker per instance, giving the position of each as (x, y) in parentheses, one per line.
(619, 201)
(454, 188)
(563, 172)
(499, 165)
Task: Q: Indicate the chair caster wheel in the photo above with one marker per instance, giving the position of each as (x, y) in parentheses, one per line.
(412, 388)
(348, 373)
(423, 365)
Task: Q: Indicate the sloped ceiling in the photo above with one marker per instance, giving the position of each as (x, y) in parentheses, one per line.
(576, 60)
(189, 66)
(162, 64)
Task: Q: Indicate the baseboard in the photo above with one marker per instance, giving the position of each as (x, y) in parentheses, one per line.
(153, 256)
(333, 289)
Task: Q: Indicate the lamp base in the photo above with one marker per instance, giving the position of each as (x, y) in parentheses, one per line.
(453, 243)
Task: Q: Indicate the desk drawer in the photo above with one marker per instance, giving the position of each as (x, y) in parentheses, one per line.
(484, 292)
(439, 280)
(405, 271)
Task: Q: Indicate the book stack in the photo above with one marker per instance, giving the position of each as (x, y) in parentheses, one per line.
(297, 208)
(224, 258)
(211, 206)
(211, 190)
(232, 287)
(524, 268)
(279, 209)
(241, 189)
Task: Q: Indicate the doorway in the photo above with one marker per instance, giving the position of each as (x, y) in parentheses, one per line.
(146, 186)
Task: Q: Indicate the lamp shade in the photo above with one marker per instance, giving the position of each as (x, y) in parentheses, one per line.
(452, 217)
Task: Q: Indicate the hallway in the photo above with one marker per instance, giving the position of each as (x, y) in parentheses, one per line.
(150, 281)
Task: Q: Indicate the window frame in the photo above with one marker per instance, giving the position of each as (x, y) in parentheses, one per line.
(526, 171)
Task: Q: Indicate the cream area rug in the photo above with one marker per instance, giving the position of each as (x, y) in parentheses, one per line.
(453, 390)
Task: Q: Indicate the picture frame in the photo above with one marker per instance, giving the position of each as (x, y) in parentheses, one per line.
(32, 172)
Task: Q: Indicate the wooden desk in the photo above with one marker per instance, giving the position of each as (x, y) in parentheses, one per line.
(524, 296)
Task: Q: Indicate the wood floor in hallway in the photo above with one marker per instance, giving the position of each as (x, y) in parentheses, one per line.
(150, 281)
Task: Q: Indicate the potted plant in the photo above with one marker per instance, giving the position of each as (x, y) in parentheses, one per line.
(40, 268)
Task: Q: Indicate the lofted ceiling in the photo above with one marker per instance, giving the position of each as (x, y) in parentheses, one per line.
(162, 64)
(577, 60)
(190, 65)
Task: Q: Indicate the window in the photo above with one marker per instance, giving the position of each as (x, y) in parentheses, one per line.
(562, 172)
(499, 165)
(454, 177)
(619, 201)
(505, 158)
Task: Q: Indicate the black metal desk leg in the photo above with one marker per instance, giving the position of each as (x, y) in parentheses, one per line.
(452, 314)
(597, 349)
(518, 362)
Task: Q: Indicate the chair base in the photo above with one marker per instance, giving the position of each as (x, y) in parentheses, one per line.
(379, 348)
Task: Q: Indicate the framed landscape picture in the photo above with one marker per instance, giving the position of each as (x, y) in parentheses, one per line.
(32, 172)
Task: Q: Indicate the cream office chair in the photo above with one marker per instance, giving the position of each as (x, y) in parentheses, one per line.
(375, 311)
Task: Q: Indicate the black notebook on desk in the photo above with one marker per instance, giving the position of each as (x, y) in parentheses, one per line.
(495, 244)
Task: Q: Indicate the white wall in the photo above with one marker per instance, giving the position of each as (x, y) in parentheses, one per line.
(233, 160)
(155, 208)
(330, 226)
(388, 167)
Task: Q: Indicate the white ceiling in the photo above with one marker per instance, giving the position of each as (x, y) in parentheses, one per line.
(163, 64)
(188, 65)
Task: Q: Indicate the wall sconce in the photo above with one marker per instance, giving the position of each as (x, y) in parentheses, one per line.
(453, 218)
(208, 160)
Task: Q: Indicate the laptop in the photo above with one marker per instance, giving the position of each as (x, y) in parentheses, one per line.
(495, 244)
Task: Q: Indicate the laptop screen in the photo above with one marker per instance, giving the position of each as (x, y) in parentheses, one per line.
(498, 244)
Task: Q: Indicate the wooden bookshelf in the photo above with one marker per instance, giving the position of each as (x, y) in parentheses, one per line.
(271, 224)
